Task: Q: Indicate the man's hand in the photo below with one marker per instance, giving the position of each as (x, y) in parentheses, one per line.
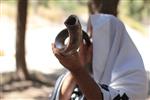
(71, 62)
(77, 60)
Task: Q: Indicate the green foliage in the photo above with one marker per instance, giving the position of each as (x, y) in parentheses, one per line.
(66, 5)
(134, 24)
(138, 9)
(135, 13)
(10, 2)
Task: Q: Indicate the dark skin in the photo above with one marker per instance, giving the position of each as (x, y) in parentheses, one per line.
(76, 64)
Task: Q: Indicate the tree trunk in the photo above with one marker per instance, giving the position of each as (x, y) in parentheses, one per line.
(103, 6)
(22, 71)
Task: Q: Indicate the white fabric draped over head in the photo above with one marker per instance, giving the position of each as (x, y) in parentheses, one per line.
(116, 60)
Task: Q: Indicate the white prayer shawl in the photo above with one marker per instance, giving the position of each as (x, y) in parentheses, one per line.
(116, 61)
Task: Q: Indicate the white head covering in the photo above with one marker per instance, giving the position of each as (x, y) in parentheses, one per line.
(116, 61)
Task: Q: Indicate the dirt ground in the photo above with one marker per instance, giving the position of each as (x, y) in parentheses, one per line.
(38, 87)
(25, 90)
(31, 93)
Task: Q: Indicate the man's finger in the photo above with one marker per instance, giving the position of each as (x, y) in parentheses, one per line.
(54, 47)
(56, 51)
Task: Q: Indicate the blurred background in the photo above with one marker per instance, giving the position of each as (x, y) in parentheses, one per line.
(28, 68)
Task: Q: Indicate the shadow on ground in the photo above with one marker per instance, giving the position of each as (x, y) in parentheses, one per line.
(38, 87)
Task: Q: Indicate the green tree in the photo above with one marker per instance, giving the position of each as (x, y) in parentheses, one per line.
(139, 9)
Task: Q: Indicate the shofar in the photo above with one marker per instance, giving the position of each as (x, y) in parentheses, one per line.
(75, 33)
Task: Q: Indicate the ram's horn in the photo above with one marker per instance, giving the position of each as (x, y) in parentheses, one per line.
(74, 32)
